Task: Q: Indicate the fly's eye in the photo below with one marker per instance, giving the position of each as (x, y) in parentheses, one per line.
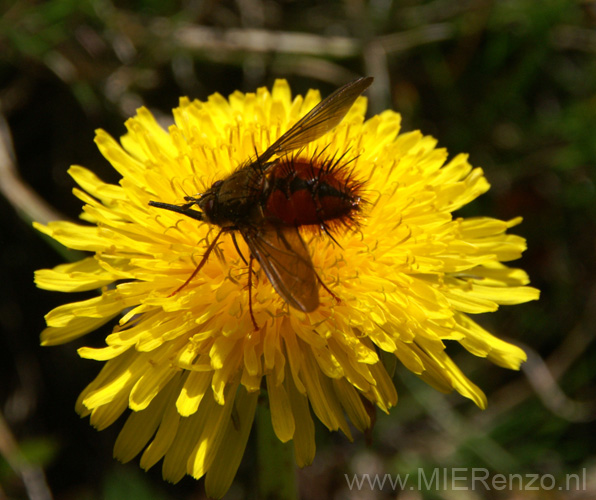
(206, 203)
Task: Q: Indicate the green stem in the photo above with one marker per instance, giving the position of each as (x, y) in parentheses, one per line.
(277, 469)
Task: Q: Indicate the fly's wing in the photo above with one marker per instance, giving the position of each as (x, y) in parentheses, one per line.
(319, 120)
(284, 257)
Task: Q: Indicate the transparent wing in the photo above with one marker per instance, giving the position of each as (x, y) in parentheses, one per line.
(284, 257)
(319, 120)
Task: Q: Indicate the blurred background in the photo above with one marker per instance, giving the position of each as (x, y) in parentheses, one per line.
(511, 82)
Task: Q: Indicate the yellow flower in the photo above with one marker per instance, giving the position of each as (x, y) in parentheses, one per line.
(190, 365)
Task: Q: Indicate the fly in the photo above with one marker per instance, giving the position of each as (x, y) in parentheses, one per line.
(266, 200)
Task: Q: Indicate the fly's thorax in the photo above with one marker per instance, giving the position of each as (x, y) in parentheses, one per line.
(231, 200)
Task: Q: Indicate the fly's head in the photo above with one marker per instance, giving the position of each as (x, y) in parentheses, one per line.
(209, 203)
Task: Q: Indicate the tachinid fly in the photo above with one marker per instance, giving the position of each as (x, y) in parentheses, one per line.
(267, 199)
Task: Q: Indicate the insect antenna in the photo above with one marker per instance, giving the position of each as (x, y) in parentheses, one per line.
(180, 209)
(191, 201)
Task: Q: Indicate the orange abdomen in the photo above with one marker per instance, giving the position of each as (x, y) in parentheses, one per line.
(304, 193)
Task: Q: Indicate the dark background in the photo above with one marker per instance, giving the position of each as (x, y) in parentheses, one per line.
(513, 83)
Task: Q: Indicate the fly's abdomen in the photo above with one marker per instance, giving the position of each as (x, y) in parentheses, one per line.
(305, 193)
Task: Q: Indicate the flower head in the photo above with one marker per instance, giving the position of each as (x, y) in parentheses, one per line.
(187, 360)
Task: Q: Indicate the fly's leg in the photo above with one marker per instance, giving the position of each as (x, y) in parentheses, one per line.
(201, 263)
(238, 248)
(337, 299)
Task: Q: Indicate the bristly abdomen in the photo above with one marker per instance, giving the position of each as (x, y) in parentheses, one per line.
(313, 192)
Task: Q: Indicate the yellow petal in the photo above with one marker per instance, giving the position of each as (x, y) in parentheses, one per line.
(304, 435)
(168, 429)
(192, 392)
(213, 421)
(352, 404)
(79, 276)
(481, 343)
(282, 417)
(140, 427)
(229, 454)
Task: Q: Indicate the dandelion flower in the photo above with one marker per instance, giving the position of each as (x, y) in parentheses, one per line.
(403, 279)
